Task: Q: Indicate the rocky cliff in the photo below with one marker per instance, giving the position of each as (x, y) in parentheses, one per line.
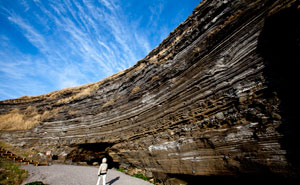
(215, 98)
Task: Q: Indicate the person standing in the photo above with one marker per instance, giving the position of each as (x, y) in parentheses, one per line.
(102, 171)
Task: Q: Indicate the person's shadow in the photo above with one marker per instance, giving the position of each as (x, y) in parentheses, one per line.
(113, 180)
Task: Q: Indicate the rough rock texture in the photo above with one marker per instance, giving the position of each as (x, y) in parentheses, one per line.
(213, 99)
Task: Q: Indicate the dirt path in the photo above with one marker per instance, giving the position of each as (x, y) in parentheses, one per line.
(77, 175)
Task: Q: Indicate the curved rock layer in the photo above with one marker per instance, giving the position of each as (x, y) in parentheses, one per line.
(212, 99)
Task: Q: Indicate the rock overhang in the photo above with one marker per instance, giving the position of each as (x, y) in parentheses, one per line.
(202, 103)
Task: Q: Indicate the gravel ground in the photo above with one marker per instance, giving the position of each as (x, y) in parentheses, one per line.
(77, 175)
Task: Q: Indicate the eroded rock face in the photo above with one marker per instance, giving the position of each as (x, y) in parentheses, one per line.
(212, 99)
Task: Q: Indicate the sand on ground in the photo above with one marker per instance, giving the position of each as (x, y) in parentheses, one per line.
(77, 175)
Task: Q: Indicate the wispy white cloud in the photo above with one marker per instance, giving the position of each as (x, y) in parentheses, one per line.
(110, 5)
(25, 5)
(30, 32)
(78, 42)
(155, 10)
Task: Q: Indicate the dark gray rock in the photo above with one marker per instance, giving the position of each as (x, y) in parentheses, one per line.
(205, 102)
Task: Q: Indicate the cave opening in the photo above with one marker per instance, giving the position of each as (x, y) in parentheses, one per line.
(91, 153)
(55, 157)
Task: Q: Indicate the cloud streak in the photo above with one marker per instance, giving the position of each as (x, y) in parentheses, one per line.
(68, 43)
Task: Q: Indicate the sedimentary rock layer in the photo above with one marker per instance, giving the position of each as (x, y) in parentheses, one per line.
(206, 101)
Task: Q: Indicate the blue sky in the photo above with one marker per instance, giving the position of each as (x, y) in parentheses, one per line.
(47, 45)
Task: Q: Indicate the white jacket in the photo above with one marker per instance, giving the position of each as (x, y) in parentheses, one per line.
(103, 167)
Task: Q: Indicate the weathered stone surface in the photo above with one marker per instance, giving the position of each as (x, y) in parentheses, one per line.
(212, 99)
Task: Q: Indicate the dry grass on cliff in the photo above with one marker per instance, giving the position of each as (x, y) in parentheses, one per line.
(84, 90)
(80, 94)
(23, 120)
(134, 90)
(109, 102)
(15, 120)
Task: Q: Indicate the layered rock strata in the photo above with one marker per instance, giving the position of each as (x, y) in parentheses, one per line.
(211, 99)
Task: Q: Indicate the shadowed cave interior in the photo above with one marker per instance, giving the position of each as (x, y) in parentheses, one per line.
(92, 152)
(279, 45)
